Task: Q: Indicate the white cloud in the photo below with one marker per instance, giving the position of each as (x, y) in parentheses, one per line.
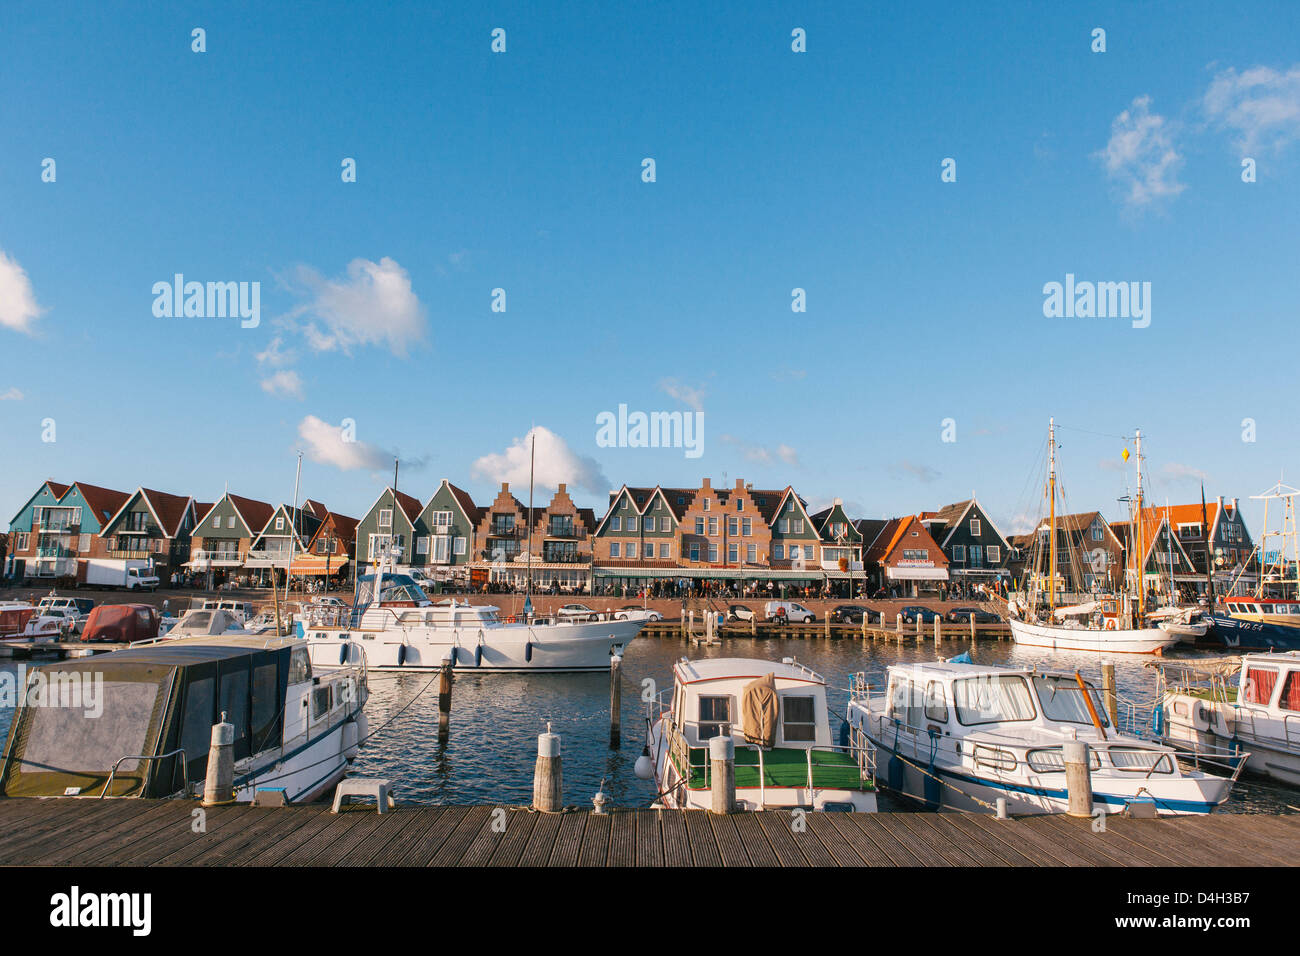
(1141, 155)
(327, 444)
(372, 305)
(692, 397)
(12, 395)
(1261, 105)
(762, 455)
(276, 356)
(556, 463)
(283, 382)
(1179, 472)
(18, 308)
(911, 469)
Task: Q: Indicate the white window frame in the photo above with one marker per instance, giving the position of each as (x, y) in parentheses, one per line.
(975, 527)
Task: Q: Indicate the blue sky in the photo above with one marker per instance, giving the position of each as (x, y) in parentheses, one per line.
(522, 171)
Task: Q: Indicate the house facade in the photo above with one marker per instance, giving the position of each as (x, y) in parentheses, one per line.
(58, 528)
(446, 531)
(976, 550)
(224, 533)
(152, 526)
(388, 523)
(906, 560)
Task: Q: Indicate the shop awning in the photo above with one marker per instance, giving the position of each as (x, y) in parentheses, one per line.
(314, 564)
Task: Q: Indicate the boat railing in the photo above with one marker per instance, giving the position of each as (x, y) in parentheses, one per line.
(185, 774)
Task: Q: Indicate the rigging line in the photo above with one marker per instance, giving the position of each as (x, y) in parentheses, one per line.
(1087, 431)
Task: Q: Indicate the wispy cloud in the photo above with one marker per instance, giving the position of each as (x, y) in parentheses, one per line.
(329, 445)
(276, 355)
(373, 304)
(686, 394)
(11, 395)
(556, 463)
(911, 469)
(18, 308)
(761, 454)
(1175, 471)
(284, 382)
(789, 375)
(1141, 156)
(1260, 105)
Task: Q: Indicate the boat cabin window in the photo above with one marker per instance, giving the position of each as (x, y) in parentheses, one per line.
(905, 703)
(714, 712)
(1062, 700)
(196, 730)
(992, 699)
(322, 698)
(1290, 699)
(299, 666)
(936, 703)
(798, 719)
(1260, 682)
(266, 706)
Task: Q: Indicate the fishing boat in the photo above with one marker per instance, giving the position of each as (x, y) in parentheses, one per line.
(776, 715)
(961, 735)
(1267, 619)
(1247, 708)
(138, 722)
(402, 629)
(1117, 624)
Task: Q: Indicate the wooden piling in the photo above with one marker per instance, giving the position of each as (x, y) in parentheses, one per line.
(444, 699)
(1109, 693)
(722, 767)
(548, 775)
(1078, 778)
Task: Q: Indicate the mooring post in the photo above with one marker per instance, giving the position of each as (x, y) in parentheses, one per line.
(972, 628)
(722, 760)
(938, 632)
(918, 626)
(444, 697)
(615, 702)
(219, 787)
(1108, 691)
(898, 624)
(1078, 778)
(828, 625)
(548, 777)
(753, 626)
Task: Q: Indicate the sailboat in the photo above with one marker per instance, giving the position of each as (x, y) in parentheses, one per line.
(1111, 624)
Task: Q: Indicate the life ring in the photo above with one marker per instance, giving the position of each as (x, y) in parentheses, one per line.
(1111, 624)
(511, 619)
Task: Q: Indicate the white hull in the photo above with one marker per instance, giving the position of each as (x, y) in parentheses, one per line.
(1184, 632)
(1147, 640)
(499, 647)
(305, 775)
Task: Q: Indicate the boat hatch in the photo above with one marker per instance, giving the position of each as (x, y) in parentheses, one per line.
(142, 704)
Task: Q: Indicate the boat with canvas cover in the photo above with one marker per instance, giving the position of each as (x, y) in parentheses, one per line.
(138, 722)
(777, 717)
(961, 735)
(402, 629)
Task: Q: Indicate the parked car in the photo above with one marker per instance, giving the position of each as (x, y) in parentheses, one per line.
(739, 612)
(577, 612)
(791, 611)
(960, 615)
(634, 612)
(328, 601)
(914, 611)
(121, 623)
(847, 614)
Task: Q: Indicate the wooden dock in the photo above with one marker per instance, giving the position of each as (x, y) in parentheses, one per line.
(82, 832)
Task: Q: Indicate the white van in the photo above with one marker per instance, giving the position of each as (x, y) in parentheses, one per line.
(791, 611)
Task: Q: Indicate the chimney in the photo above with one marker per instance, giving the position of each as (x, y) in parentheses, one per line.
(561, 490)
(505, 486)
(1234, 505)
(740, 484)
(708, 485)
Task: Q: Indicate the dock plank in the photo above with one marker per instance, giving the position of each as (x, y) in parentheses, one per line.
(704, 842)
(839, 851)
(568, 841)
(595, 840)
(649, 838)
(475, 821)
(980, 848)
(622, 838)
(677, 846)
(541, 840)
(731, 848)
(756, 844)
(424, 845)
(510, 848)
(776, 827)
(1018, 833)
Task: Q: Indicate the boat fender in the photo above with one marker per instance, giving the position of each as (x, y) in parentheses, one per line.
(844, 734)
(363, 728)
(931, 786)
(528, 652)
(351, 740)
(343, 652)
(401, 654)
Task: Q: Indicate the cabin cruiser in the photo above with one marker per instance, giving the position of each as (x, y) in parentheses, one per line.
(401, 629)
(138, 722)
(777, 716)
(962, 735)
(1246, 708)
(1257, 623)
(20, 621)
(206, 623)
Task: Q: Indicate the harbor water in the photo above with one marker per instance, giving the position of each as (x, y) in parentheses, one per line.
(490, 751)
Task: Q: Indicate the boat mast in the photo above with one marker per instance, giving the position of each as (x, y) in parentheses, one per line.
(293, 531)
(1140, 553)
(1051, 532)
(532, 459)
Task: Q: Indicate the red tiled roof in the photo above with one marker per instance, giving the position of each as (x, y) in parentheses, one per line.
(169, 508)
(410, 506)
(255, 513)
(105, 502)
(472, 511)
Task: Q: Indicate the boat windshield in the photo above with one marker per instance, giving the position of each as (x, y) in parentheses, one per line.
(1063, 701)
(992, 699)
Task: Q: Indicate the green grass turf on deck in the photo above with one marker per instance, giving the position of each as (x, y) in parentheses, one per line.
(785, 767)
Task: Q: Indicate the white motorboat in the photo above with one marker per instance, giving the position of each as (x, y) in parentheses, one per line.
(402, 629)
(1235, 708)
(963, 735)
(206, 623)
(20, 621)
(777, 717)
(138, 722)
